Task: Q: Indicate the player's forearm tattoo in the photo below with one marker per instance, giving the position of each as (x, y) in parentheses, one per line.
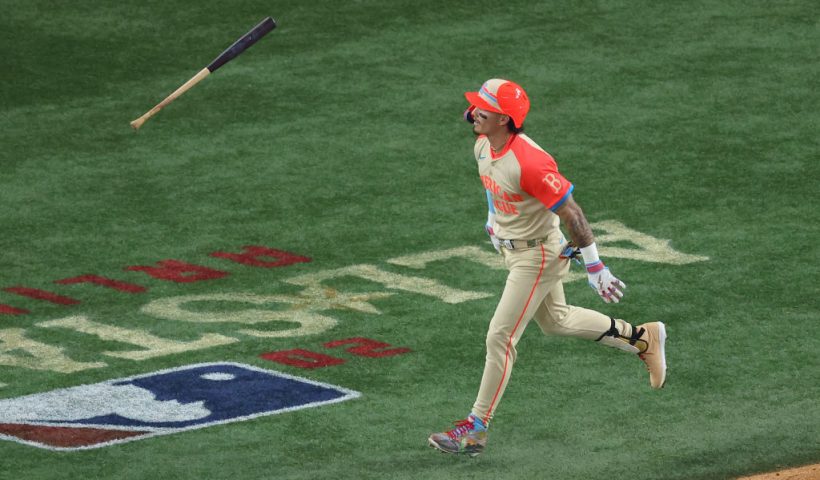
(576, 224)
(580, 232)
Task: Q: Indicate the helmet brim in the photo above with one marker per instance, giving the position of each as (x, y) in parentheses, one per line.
(475, 100)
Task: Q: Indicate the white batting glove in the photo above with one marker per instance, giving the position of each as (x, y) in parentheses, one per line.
(496, 243)
(604, 283)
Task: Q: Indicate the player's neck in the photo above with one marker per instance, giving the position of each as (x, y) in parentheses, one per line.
(499, 140)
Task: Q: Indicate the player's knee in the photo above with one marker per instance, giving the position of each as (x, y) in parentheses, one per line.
(559, 316)
(497, 339)
(548, 327)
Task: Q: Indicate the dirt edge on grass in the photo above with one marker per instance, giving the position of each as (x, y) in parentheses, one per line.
(809, 472)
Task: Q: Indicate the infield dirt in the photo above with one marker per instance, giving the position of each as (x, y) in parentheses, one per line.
(809, 472)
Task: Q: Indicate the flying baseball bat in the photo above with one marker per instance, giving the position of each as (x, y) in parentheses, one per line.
(239, 46)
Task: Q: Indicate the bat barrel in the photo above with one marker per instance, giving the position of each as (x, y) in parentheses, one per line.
(239, 46)
(263, 28)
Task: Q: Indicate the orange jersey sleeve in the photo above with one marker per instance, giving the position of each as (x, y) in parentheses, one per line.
(540, 177)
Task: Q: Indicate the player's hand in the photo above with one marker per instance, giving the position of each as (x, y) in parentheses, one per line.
(609, 288)
(496, 243)
(570, 252)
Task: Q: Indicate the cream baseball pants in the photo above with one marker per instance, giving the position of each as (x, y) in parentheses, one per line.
(533, 290)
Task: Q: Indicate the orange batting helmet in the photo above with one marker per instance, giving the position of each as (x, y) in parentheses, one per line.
(502, 96)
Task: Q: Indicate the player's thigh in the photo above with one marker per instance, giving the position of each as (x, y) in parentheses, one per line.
(524, 291)
(553, 309)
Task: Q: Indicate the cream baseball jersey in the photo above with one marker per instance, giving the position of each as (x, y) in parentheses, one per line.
(524, 186)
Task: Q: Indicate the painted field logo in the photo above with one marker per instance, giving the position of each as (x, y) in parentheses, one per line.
(159, 403)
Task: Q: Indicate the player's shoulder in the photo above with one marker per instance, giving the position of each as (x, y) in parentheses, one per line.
(481, 142)
(530, 154)
(527, 145)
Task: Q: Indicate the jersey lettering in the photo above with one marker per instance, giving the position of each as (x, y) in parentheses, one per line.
(489, 184)
(524, 188)
(505, 207)
(552, 182)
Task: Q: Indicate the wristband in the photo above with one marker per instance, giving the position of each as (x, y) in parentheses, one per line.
(591, 260)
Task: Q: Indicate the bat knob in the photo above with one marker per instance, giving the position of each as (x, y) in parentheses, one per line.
(136, 124)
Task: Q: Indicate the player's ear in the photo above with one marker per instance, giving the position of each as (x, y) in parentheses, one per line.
(503, 119)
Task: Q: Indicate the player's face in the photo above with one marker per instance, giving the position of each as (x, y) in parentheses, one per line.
(487, 123)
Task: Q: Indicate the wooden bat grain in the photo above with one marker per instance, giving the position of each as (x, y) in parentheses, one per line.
(136, 124)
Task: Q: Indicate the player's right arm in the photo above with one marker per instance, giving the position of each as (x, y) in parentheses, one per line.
(488, 227)
(577, 226)
(481, 142)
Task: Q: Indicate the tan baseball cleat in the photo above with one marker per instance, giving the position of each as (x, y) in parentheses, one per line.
(652, 351)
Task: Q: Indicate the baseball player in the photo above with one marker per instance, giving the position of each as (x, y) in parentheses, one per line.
(528, 198)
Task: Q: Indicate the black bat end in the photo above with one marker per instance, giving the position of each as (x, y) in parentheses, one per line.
(260, 30)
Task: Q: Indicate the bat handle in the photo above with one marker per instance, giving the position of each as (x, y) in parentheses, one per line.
(136, 124)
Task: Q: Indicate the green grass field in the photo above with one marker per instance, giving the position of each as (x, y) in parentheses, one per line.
(339, 138)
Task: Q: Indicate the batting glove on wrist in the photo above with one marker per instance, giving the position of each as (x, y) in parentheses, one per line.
(604, 283)
(496, 243)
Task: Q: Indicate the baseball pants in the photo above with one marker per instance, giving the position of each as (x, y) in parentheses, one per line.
(533, 290)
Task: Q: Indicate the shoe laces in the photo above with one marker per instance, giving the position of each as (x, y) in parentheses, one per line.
(462, 428)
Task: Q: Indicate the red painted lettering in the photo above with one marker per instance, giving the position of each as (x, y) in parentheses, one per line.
(251, 255)
(44, 295)
(9, 310)
(181, 272)
(105, 282)
(367, 347)
(302, 358)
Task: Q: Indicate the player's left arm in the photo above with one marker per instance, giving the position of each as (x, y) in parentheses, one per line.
(540, 178)
(576, 223)
(577, 226)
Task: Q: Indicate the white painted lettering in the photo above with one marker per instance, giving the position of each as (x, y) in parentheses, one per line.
(300, 311)
(422, 286)
(650, 249)
(477, 254)
(153, 346)
(18, 351)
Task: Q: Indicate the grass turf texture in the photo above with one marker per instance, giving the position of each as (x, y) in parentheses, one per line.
(339, 137)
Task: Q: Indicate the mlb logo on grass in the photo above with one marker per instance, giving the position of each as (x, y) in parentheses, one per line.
(159, 403)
